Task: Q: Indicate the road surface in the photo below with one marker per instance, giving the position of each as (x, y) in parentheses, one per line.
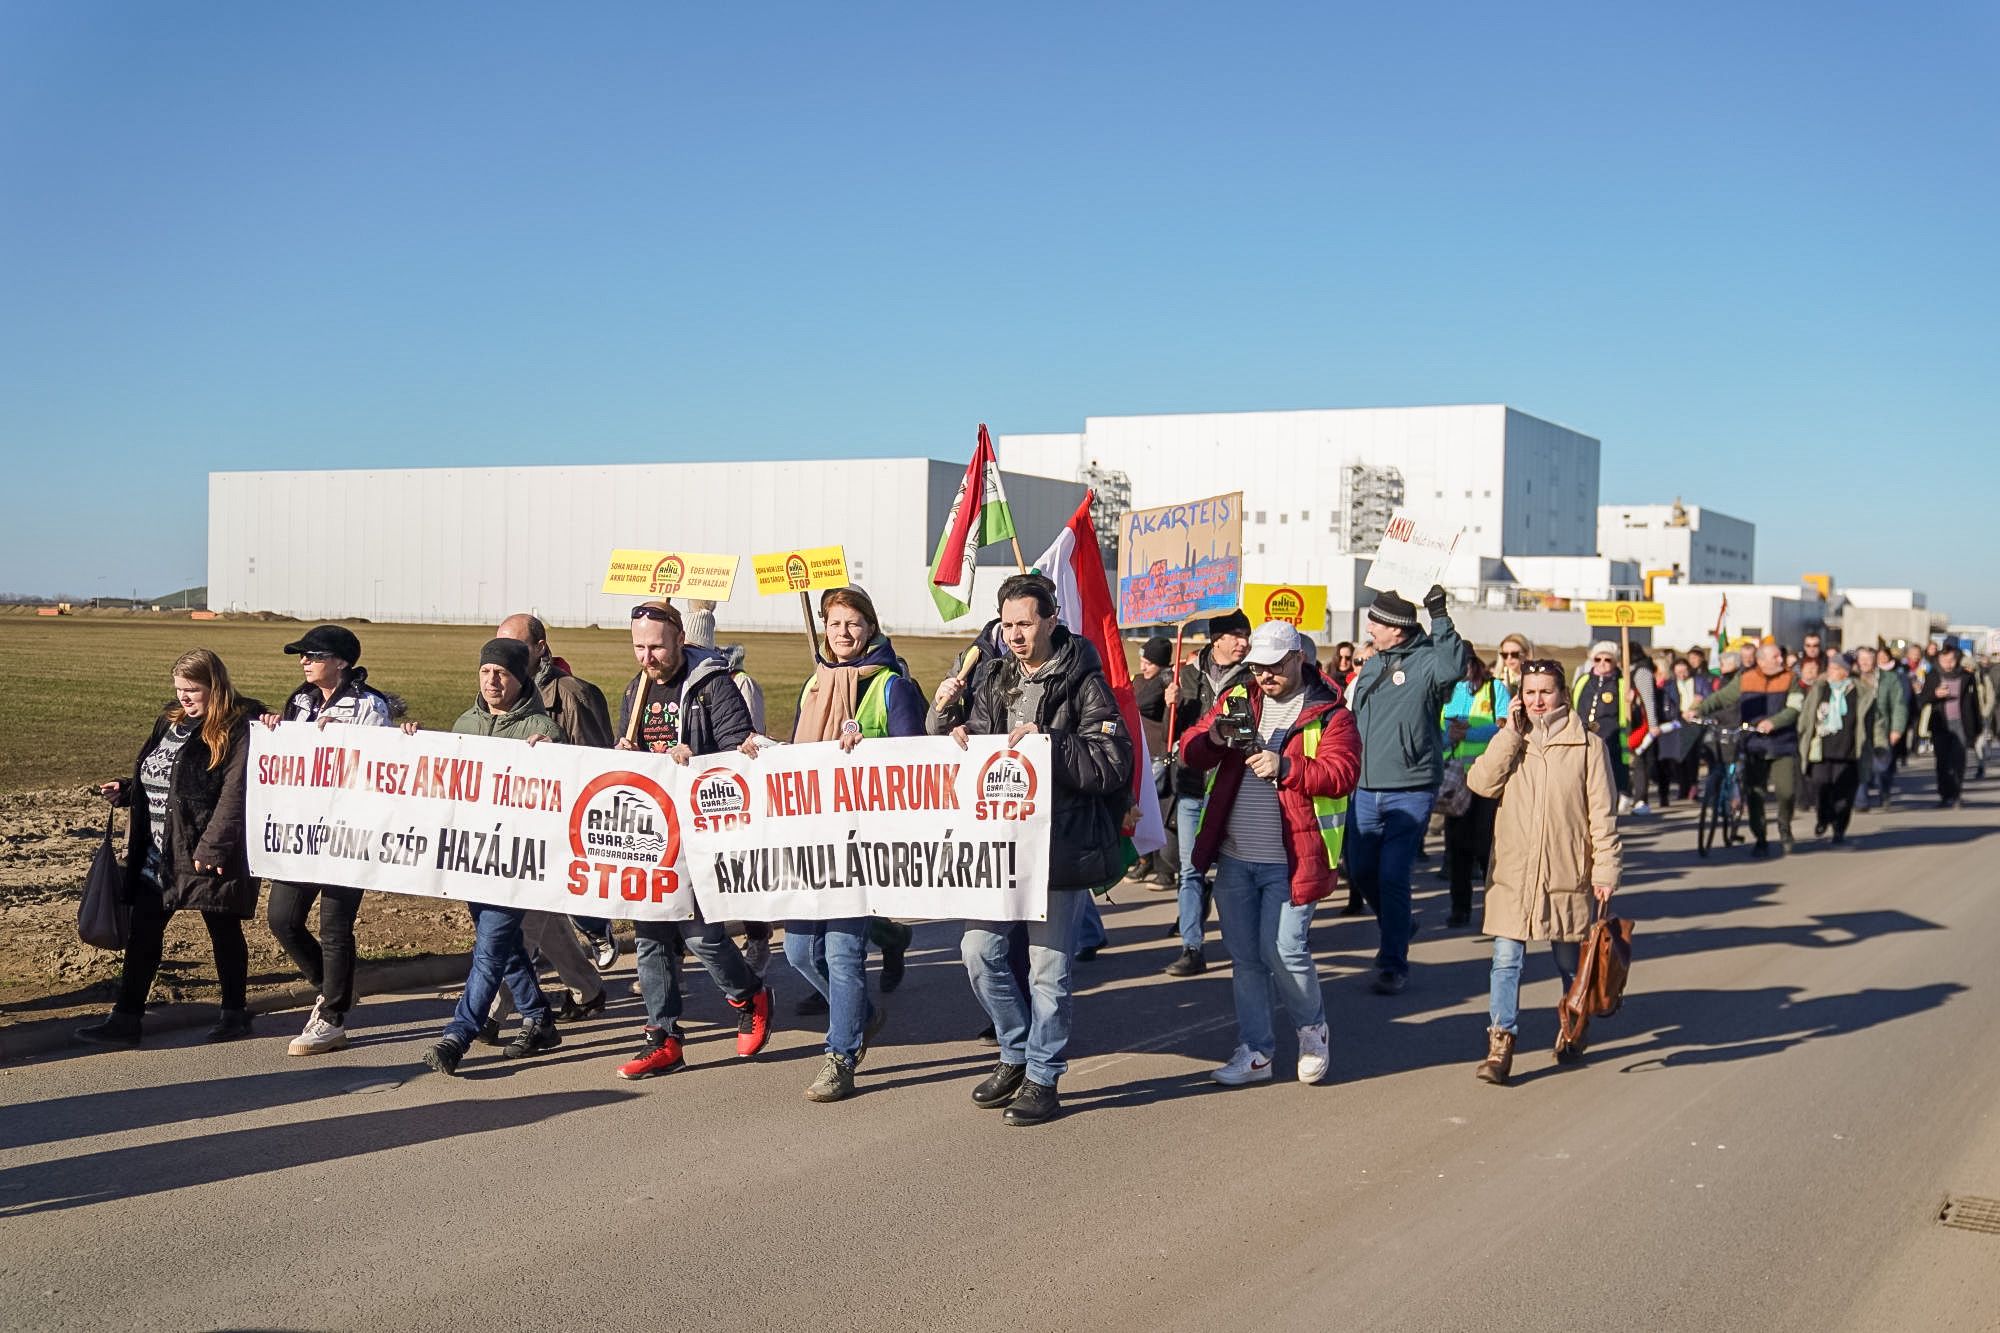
(1761, 1140)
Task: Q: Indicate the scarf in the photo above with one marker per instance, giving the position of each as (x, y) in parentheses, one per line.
(831, 700)
(1833, 716)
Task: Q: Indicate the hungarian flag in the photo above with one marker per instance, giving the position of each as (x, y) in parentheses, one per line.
(1721, 639)
(1084, 605)
(979, 517)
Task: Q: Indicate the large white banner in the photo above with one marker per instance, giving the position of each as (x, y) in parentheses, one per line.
(911, 827)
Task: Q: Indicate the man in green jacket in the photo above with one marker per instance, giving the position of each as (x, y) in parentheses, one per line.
(507, 707)
(1396, 701)
(1883, 725)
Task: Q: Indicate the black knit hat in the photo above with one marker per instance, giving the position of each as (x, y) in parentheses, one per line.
(511, 656)
(1159, 650)
(1233, 623)
(333, 639)
(1396, 612)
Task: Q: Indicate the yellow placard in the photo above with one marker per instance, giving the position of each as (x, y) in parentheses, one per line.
(1301, 605)
(670, 574)
(1627, 615)
(800, 571)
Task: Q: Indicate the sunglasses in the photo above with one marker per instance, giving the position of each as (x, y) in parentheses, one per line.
(654, 613)
(1505, 653)
(316, 657)
(1273, 669)
(1543, 666)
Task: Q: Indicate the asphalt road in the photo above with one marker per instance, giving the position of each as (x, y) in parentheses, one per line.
(1761, 1139)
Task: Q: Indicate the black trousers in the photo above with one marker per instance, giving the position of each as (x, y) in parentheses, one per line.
(327, 962)
(1949, 748)
(1468, 846)
(147, 940)
(1834, 783)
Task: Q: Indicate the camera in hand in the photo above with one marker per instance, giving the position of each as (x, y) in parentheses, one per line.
(1236, 728)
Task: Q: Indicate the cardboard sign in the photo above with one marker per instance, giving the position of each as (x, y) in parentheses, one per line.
(1181, 561)
(800, 571)
(670, 574)
(1625, 615)
(1300, 605)
(1412, 557)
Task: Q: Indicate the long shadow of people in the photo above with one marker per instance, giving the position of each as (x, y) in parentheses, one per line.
(1691, 1027)
(155, 1168)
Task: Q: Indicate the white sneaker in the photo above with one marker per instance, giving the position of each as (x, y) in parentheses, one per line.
(1624, 805)
(1246, 1066)
(1313, 1042)
(757, 953)
(319, 1036)
(1641, 808)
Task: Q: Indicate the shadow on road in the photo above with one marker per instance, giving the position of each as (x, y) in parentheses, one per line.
(125, 1173)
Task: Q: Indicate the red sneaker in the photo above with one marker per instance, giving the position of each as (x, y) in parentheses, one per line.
(753, 1022)
(660, 1055)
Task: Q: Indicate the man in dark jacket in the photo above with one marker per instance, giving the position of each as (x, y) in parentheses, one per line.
(577, 706)
(1159, 869)
(1951, 693)
(1215, 670)
(1050, 681)
(1397, 699)
(1285, 756)
(1766, 698)
(681, 704)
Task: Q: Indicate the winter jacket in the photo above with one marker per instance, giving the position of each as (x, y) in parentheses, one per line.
(889, 704)
(1396, 701)
(1312, 833)
(526, 718)
(985, 647)
(1481, 709)
(1756, 697)
(713, 717)
(1092, 754)
(1888, 708)
(576, 705)
(1555, 834)
(1198, 693)
(1931, 695)
(355, 701)
(204, 823)
(1845, 745)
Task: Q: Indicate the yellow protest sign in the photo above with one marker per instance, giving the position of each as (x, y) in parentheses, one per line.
(1625, 615)
(800, 571)
(1301, 605)
(670, 574)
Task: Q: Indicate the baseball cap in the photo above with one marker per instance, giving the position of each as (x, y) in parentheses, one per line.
(1272, 642)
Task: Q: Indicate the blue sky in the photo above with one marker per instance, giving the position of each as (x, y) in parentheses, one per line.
(1748, 247)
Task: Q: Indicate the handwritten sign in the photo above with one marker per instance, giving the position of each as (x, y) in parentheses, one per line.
(1180, 561)
(1625, 615)
(1300, 605)
(670, 574)
(1413, 556)
(800, 571)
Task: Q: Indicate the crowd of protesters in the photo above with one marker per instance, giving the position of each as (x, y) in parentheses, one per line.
(1278, 776)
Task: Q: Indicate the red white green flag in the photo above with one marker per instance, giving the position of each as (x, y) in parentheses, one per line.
(979, 517)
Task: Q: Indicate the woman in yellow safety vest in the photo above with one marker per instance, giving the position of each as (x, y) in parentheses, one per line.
(1470, 718)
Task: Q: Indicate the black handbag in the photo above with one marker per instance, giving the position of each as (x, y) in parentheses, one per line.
(103, 918)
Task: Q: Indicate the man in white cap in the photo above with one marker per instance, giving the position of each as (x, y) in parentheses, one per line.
(1281, 756)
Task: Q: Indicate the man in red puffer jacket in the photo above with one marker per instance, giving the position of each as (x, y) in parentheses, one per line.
(1283, 755)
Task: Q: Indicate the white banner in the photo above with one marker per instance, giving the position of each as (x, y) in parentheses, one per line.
(906, 827)
(1412, 557)
(910, 827)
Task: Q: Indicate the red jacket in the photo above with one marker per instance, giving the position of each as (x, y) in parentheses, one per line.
(1333, 772)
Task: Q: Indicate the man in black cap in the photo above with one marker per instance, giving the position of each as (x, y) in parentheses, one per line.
(1215, 670)
(1397, 698)
(335, 689)
(1161, 869)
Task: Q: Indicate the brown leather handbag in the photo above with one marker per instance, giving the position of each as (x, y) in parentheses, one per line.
(1599, 987)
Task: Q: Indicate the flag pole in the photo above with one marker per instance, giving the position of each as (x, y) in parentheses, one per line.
(1020, 561)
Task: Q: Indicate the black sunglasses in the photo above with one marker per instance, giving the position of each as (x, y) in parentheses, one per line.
(652, 613)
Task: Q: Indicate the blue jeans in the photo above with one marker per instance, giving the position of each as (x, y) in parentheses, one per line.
(833, 956)
(1503, 1004)
(1269, 958)
(1194, 892)
(498, 954)
(1384, 831)
(1033, 1029)
(660, 972)
(1090, 926)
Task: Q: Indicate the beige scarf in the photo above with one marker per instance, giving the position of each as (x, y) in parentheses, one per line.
(831, 701)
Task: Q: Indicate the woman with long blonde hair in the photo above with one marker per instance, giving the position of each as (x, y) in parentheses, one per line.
(186, 849)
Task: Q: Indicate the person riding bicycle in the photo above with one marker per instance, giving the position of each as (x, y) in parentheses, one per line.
(1765, 698)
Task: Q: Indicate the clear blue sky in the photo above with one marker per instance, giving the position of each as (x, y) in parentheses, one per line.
(1751, 248)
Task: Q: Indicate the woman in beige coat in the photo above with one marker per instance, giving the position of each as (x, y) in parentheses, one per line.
(1555, 846)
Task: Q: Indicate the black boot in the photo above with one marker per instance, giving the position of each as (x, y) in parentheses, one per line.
(117, 1029)
(1033, 1104)
(1000, 1086)
(233, 1023)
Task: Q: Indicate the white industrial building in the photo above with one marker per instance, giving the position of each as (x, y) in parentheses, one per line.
(1319, 485)
(1698, 545)
(1787, 611)
(471, 545)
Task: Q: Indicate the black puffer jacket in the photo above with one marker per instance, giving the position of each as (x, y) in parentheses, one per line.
(1092, 753)
(204, 823)
(714, 717)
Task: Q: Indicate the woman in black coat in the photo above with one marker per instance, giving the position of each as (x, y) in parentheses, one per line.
(186, 850)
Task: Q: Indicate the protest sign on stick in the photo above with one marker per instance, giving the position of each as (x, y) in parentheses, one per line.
(1180, 562)
(670, 574)
(802, 572)
(1412, 557)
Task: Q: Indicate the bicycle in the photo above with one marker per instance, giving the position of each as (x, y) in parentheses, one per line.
(1722, 789)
